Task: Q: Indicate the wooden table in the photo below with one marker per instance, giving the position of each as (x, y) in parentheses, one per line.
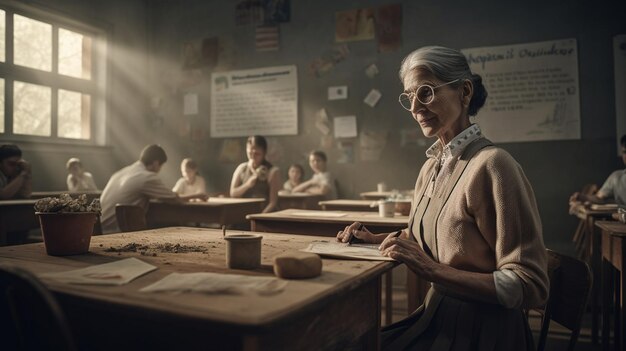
(380, 195)
(321, 223)
(613, 282)
(587, 239)
(16, 216)
(299, 200)
(348, 205)
(222, 210)
(338, 310)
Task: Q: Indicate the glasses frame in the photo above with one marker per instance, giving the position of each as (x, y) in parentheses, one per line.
(414, 94)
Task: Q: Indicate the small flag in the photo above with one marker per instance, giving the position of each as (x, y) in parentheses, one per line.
(267, 38)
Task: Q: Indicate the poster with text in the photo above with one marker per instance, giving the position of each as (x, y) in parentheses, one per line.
(533, 91)
(262, 101)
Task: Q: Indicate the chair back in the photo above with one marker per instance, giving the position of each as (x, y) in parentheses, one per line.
(130, 218)
(30, 317)
(570, 286)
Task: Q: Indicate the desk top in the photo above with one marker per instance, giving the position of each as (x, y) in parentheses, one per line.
(581, 211)
(297, 195)
(214, 201)
(347, 202)
(296, 215)
(56, 193)
(22, 202)
(247, 309)
(613, 227)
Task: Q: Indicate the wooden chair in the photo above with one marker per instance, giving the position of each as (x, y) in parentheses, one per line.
(130, 218)
(570, 286)
(30, 316)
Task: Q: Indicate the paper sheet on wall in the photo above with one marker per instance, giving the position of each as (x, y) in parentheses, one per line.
(619, 54)
(345, 127)
(372, 143)
(338, 93)
(372, 97)
(262, 101)
(190, 104)
(343, 250)
(533, 90)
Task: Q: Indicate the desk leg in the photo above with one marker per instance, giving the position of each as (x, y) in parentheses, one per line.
(622, 311)
(596, 267)
(617, 332)
(388, 300)
(607, 292)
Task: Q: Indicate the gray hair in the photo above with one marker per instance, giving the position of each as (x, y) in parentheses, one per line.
(447, 65)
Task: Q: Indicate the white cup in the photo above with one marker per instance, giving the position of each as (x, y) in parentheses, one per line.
(386, 208)
(381, 187)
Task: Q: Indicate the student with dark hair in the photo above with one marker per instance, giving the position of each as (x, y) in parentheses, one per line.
(614, 188)
(136, 184)
(256, 177)
(15, 173)
(294, 175)
(322, 182)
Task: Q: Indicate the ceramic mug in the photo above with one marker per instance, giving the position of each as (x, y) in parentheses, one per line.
(243, 251)
(386, 208)
(381, 187)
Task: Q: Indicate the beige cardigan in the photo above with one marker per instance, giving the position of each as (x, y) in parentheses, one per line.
(491, 222)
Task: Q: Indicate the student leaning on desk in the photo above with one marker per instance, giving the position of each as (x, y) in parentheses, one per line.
(613, 188)
(474, 229)
(15, 174)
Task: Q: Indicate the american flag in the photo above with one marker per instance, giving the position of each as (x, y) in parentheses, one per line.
(267, 38)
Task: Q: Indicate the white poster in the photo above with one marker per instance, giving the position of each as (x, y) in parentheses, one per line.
(260, 101)
(533, 91)
(345, 127)
(619, 52)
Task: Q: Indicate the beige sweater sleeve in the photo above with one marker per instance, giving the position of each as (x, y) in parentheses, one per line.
(503, 205)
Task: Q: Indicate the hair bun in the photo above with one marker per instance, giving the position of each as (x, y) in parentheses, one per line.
(479, 97)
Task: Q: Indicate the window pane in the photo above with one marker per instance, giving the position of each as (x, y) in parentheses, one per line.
(31, 109)
(74, 115)
(32, 43)
(2, 35)
(74, 54)
(1, 105)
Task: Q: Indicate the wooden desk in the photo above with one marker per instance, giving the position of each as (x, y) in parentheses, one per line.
(588, 246)
(348, 205)
(338, 310)
(613, 282)
(222, 210)
(302, 201)
(16, 216)
(92, 194)
(320, 223)
(379, 195)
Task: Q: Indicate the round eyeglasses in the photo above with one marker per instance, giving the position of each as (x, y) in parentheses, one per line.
(424, 93)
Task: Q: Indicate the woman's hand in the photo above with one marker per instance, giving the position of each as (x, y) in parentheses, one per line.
(410, 253)
(251, 182)
(353, 229)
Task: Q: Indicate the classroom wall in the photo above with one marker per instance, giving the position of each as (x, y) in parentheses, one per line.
(555, 168)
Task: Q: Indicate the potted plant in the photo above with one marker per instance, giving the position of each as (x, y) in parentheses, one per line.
(67, 223)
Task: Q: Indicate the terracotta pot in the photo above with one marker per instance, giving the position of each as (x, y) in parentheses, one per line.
(243, 251)
(403, 207)
(66, 233)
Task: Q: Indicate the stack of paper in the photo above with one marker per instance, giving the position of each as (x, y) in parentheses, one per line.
(216, 283)
(342, 250)
(114, 273)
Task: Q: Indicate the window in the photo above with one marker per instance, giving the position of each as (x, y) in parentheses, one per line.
(51, 77)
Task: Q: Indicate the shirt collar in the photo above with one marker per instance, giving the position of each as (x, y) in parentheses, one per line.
(456, 146)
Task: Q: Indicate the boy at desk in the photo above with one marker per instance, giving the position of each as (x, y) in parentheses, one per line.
(15, 175)
(613, 188)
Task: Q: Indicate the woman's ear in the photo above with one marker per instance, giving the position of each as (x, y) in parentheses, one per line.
(467, 92)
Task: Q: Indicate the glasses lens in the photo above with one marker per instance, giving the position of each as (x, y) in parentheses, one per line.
(405, 101)
(425, 94)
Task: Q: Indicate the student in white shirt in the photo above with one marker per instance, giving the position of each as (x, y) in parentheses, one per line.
(191, 183)
(322, 183)
(78, 179)
(136, 184)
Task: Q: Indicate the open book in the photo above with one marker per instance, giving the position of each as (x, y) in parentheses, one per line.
(343, 250)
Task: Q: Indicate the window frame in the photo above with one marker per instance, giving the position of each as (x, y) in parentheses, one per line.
(96, 86)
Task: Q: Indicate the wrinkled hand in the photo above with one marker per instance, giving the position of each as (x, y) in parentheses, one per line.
(363, 234)
(410, 253)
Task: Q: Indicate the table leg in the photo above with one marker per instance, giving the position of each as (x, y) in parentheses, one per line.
(617, 331)
(388, 300)
(607, 290)
(596, 263)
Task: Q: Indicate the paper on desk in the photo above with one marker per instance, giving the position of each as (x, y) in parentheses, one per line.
(114, 273)
(313, 213)
(343, 250)
(217, 283)
(604, 207)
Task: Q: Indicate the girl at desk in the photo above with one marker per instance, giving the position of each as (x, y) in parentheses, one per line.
(321, 183)
(191, 183)
(295, 174)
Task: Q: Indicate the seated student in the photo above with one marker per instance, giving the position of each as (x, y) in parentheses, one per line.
(322, 183)
(78, 179)
(295, 178)
(136, 184)
(15, 175)
(613, 188)
(257, 177)
(191, 183)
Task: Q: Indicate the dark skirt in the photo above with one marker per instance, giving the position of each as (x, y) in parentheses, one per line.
(450, 323)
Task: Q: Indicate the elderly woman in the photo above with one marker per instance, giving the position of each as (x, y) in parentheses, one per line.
(474, 228)
(257, 177)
